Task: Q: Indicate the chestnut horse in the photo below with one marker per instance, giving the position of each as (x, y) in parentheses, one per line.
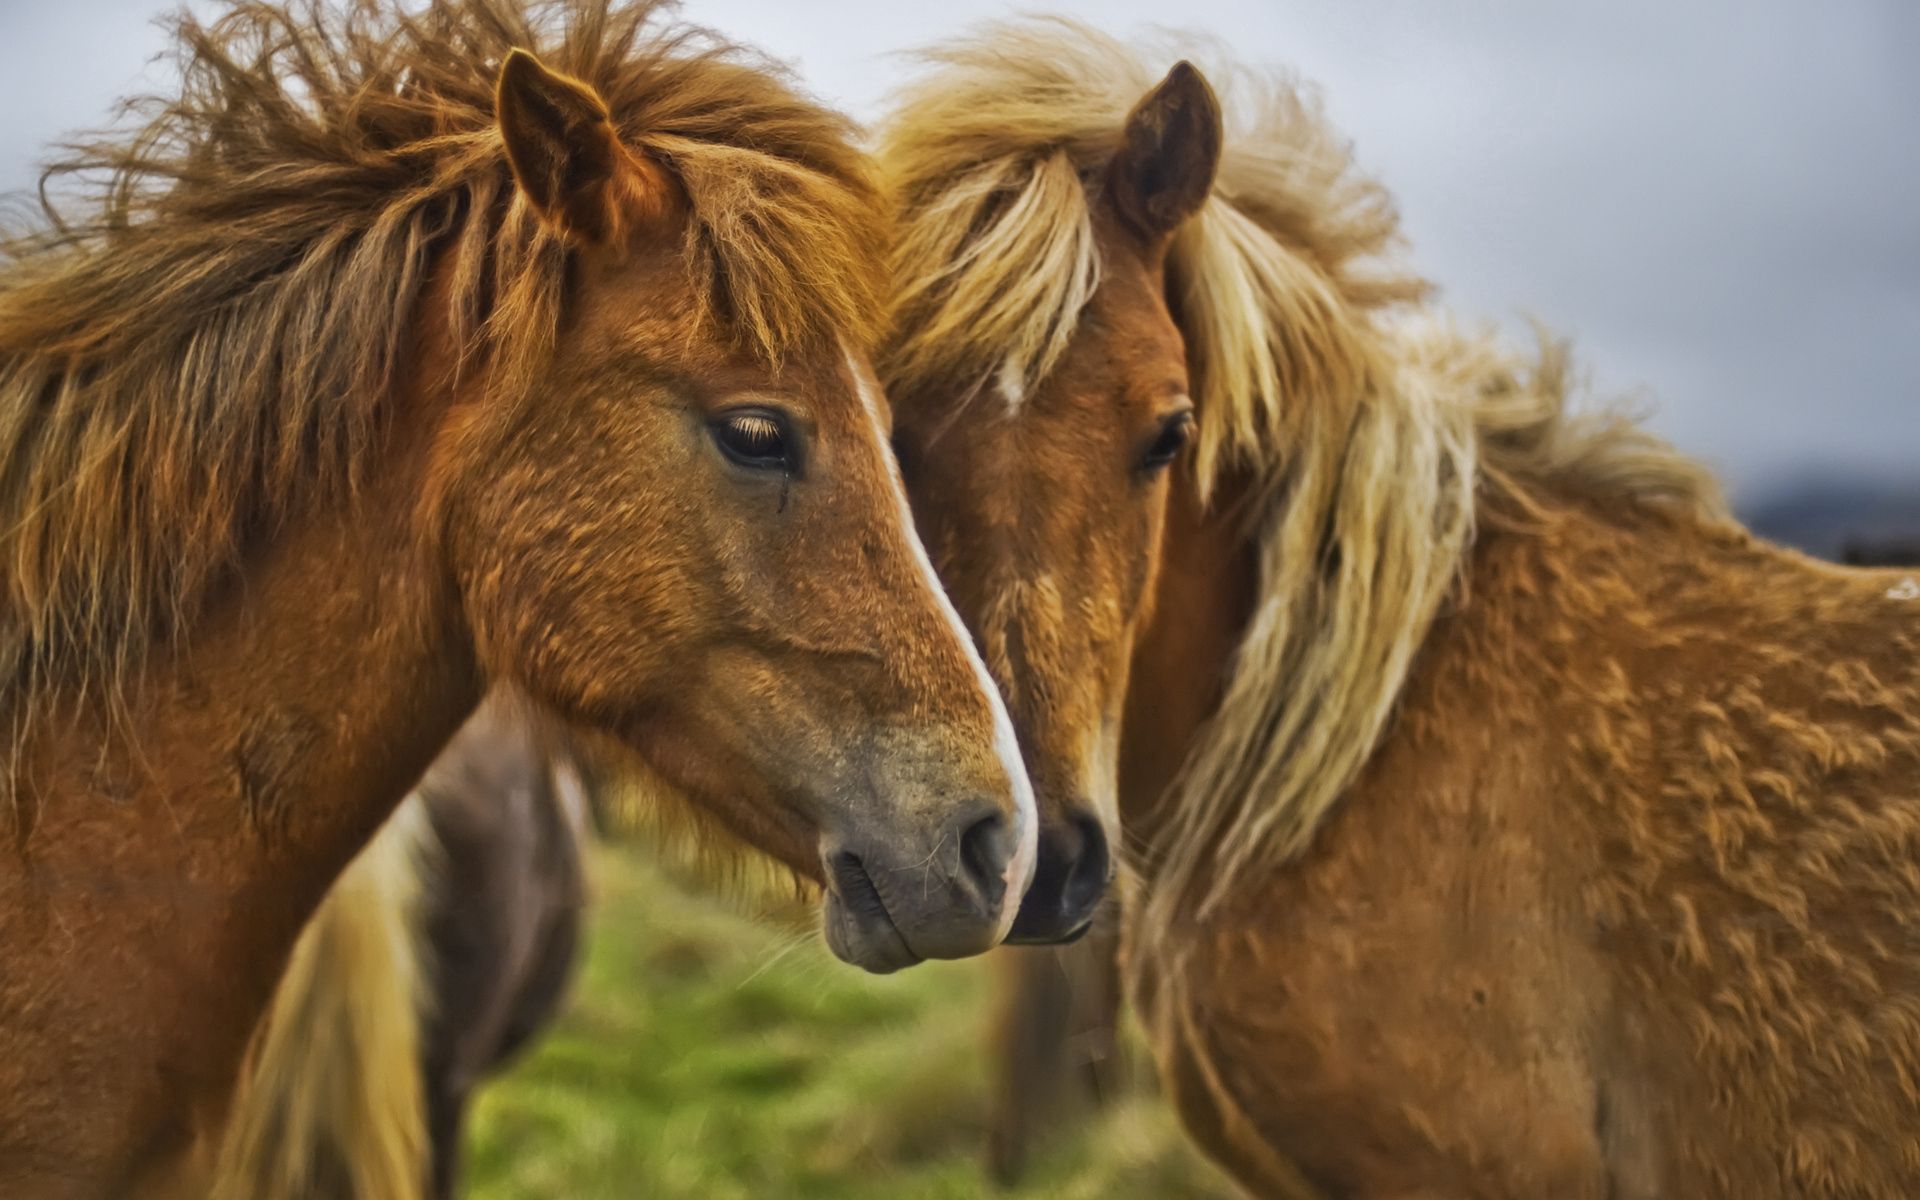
(391, 365)
(1509, 822)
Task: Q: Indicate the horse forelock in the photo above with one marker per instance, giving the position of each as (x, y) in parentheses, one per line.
(1370, 435)
(210, 341)
(996, 158)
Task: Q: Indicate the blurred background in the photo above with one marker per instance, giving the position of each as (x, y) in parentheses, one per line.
(1716, 201)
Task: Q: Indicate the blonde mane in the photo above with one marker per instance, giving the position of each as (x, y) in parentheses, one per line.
(1371, 431)
(206, 342)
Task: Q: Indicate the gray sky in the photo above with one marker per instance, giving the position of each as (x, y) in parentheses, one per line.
(1718, 200)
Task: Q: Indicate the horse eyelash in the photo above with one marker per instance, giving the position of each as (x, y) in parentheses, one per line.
(758, 428)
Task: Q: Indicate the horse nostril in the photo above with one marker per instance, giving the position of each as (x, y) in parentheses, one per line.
(986, 847)
(1068, 883)
(1087, 876)
(856, 888)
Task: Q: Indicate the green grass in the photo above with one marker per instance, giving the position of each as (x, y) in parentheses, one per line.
(707, 1055)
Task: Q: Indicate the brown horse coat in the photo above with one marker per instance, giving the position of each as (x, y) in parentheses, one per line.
(1625, 905)
(392, 365)
(1509, 823)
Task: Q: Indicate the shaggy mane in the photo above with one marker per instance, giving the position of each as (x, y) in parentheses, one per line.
(204, 338)
(1370, 428)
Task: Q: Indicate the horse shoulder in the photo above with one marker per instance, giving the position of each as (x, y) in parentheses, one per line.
(1406, 1009)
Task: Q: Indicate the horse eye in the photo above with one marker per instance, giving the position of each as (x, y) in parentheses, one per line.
(1174, 434)
(755, 437)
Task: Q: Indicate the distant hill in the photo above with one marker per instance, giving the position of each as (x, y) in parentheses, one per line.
(1837, 518)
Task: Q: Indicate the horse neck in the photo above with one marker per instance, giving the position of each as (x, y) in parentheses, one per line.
(1204, 596)
(169, 851)
(330, 678)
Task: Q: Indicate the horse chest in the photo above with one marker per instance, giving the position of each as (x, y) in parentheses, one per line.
(1375, 1075)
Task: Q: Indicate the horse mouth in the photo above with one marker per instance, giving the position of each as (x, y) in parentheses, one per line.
(859, 928)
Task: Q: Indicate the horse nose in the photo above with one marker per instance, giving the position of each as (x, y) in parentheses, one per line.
(943, 902)
(1068, 883)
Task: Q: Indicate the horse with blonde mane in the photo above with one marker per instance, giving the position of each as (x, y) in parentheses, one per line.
(1508, 821)
(389, 365)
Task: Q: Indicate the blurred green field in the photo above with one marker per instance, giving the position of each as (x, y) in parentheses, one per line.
(707, 1055)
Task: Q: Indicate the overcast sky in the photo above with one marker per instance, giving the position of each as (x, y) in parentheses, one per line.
(1718, 200)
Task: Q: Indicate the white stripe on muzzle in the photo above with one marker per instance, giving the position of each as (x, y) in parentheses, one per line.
(1019, 874)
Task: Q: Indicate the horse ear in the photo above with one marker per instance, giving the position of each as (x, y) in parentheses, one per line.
(562, 146)
(1168, 153)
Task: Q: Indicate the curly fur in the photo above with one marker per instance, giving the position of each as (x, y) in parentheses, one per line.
(1551, 836)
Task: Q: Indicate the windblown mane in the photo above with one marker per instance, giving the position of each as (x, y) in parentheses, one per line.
(205, 341)
(1371, 429)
